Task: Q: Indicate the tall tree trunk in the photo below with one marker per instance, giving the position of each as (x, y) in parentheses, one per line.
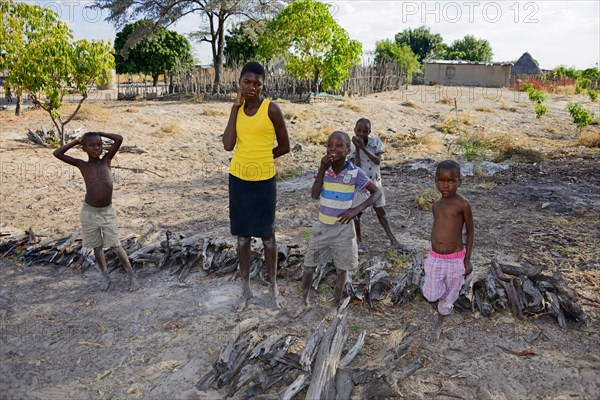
(221, 51)
(155, 79)
(18, 105)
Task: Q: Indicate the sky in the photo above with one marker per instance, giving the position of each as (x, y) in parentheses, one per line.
(554, 32)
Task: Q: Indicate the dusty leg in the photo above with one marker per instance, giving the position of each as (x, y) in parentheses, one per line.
(436, 331)
(307, 278)
(133, 283)
(270, 247)
(381, 216)
(243, 251)
(101, 262)
(340, 283)
(358, 233)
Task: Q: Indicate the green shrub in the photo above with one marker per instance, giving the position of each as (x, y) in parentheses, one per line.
(581, 115)
(540, 110)
(593, 94)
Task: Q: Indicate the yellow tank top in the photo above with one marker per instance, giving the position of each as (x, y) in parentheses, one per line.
(255, 138)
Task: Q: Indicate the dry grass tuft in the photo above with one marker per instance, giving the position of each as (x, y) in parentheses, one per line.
(93, 112)
(300, 115)
(465, 118)
(505, 107)
(168, 130)
(398, 140)
(426, 198)
(409, 103)
(565, 90)
(446, 100)
(132, 110)
(520, 154)
(317, 137)
(432, 143)
(589, 138)
(212, 112)
(287, 170)
(352, 106)
(484, 109)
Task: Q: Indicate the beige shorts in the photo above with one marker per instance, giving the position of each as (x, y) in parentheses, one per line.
(335, 243)
(361, 195)
(99, 226)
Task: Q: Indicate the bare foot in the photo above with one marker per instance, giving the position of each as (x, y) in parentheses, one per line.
(436, 331)
(105, 280)
(399, 248)
(276, 300)
(246, 296)
(133, 284)
(303, 307)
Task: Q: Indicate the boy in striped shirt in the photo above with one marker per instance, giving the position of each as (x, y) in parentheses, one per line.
(333, 236)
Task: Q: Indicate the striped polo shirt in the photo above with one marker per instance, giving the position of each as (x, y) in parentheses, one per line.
(338, 190)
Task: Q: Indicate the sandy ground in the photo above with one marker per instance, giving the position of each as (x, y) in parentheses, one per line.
(157, 342)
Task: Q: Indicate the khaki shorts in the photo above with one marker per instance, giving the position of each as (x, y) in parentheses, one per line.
(361, 195)
(99, 226)
(332, 242)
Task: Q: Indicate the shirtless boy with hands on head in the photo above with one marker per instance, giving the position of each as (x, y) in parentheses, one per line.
(98, 218)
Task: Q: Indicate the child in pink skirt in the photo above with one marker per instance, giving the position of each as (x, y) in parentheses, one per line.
(449, 261)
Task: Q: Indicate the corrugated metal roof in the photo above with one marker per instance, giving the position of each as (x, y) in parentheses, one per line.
(464, 62)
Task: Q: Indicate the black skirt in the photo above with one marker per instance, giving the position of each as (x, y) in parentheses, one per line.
(252, 207)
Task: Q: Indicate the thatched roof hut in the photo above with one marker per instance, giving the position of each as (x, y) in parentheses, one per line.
(525, 66)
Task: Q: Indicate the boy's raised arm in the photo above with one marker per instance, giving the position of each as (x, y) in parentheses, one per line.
(315, 191)
(60, 153)
(117, 140)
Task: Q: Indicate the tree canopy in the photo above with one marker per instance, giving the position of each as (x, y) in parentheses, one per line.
(422, 42)
(43, 61)
(470, 48)
(312, 43)
(213, 17)
(386, 51)
(242, 41)
(161, 52)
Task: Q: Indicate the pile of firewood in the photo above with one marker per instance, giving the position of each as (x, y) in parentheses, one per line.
(523, 289)
(252, 367)
(178, 252)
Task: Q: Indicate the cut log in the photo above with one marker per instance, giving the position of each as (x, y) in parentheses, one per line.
(344, 362)
(323, 377)
(514, 269)
(299, 383)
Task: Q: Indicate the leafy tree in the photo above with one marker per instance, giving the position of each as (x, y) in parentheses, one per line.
(562, 72)
(470, 48)
(45, 63)
(312, 44)
(591, 73)
(422, 42)
(161, 52)
(386, 51)
(213, 14)
(241, 44)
